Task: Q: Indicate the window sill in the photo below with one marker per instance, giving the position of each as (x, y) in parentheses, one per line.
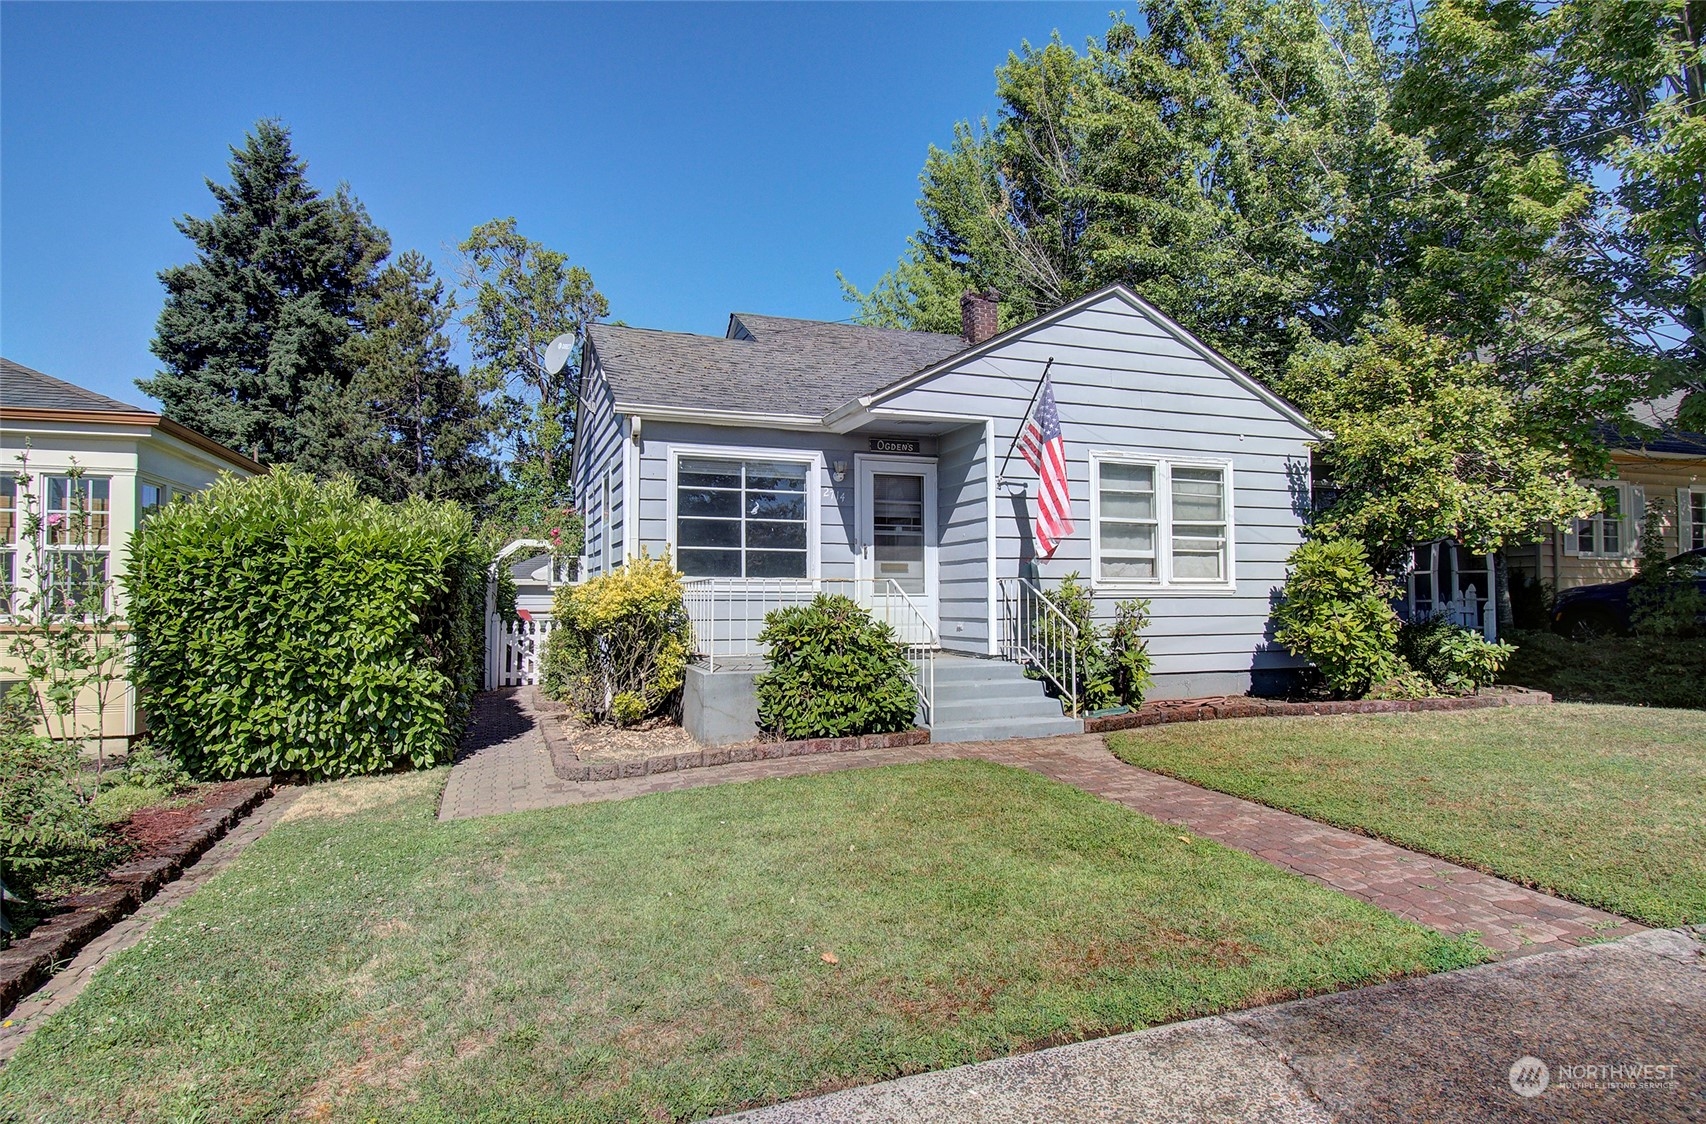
(1158, 589)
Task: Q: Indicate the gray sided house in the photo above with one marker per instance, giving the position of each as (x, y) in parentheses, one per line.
(791, 456)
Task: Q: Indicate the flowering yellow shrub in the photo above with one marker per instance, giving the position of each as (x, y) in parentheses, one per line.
(619, 651)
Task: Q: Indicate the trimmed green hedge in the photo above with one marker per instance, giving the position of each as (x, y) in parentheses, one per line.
(287, 625)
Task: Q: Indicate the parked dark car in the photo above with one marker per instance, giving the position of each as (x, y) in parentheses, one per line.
(1603, 609)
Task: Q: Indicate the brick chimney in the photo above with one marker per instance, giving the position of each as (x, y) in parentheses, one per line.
(979, 315)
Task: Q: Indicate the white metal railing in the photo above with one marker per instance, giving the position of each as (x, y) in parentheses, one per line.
(728, 614)
(1036, 633)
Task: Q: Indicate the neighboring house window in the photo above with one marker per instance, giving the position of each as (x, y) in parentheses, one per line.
(151, 499)
(1160, 522)
(1605, 535)
(79, 526)
(742, 518)
(8, 538)
(1696, 520)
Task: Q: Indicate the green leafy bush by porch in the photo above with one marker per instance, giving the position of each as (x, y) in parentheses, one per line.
(1337, 613)
(619, 651)
(1112, 664)
(835, 671)
(287, 625)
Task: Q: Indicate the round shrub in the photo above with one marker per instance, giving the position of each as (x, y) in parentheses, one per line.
(834, 671)
(1455, 659)
(1336, 613)
(619, 651)
(284, 625)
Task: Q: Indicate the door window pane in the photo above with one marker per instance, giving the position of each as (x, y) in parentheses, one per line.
(897, 529)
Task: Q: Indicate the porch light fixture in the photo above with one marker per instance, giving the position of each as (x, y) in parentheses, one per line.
(838, 471)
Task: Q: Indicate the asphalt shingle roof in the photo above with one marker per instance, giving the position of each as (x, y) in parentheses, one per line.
(24, 388)
(767, 364)
(1653, 439)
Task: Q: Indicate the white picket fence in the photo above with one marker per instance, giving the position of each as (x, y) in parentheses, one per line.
(513, 649)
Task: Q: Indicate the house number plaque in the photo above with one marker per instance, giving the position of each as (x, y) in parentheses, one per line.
(894, 444)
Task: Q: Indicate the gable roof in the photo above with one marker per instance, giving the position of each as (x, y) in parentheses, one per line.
(27, 394)
(1161, 320)
(25, 388)
(1646, 440)
(775, 368)
(764, 365)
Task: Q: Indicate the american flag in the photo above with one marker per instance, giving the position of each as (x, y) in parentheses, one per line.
(1045, 451)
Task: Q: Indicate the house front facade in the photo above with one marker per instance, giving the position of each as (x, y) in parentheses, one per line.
(791, 456)
(129, 462)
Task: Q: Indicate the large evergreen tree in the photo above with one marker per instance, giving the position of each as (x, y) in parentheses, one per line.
(410, 423)
(254, 333)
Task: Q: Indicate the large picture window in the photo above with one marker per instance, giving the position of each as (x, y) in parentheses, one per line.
(1155, 522)
(742, 518)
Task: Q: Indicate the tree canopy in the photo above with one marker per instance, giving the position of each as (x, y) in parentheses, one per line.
(290, 337)
(1505, 196)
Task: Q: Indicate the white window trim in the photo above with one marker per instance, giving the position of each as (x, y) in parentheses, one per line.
(1165, 582)
(1685, 525)
(812, 459)
(1628, 523)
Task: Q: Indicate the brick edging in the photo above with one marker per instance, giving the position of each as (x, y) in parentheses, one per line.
(32, 961)
(1202, 710)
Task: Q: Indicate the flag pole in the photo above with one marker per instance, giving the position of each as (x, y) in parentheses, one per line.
(1002, 475)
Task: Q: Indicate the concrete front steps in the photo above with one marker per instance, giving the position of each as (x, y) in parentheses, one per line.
(984, 700)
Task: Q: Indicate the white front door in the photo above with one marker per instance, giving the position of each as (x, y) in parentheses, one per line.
(897, 538)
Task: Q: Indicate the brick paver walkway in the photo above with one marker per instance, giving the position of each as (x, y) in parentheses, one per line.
(508, 768)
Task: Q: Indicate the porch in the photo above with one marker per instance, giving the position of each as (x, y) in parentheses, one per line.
(961, 697)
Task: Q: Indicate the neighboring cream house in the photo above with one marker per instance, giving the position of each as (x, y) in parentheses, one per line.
(1667, 472)
(133, 461)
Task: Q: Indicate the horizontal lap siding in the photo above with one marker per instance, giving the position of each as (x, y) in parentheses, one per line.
(962, 482)
(1122, 383)
(835, 501)
(598, 450)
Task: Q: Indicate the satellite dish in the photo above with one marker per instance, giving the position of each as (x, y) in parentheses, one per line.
(558, 353)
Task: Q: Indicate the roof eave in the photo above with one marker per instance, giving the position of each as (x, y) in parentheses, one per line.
(137, 419)
(655, 411)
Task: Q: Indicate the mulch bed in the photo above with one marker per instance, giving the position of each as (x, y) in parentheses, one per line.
(165, 840)
(1245, 706)
(581, 754)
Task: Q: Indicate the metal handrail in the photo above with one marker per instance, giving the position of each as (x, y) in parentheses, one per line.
(727, 614)
(1035, 632)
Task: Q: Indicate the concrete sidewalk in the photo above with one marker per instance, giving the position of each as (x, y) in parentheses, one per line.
(1440, 1048)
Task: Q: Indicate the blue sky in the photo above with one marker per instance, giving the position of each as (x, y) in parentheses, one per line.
(698, 159)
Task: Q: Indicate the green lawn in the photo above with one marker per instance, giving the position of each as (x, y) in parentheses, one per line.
(1602, 804)
(665, 957)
